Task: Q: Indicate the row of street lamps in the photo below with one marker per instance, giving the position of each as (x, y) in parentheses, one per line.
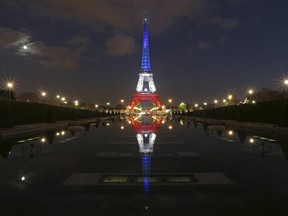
(10, 85)
(230, 97)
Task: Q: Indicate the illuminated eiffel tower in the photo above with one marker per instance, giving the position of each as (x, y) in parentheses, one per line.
(145, 99)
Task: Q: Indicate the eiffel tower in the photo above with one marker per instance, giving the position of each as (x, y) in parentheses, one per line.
(145, 100)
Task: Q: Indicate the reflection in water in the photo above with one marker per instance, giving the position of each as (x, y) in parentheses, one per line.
(35, 144)
(146, 127)
(5, 149)
(258, 145)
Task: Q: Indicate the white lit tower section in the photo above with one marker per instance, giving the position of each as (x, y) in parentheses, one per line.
(146, 142)
(145, 83)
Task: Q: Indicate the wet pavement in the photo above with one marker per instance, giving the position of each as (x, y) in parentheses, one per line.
(108, 171)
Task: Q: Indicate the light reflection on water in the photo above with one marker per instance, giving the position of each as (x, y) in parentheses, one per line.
(146, 134)
(145, 128)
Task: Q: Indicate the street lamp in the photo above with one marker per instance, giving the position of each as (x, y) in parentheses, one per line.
(250, 94)
(76, 102)
(122, 101)
(43, 94)
(285, 83)
(10, 86)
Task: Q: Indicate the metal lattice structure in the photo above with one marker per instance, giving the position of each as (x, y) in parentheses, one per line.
(145, 89)
(146, 127)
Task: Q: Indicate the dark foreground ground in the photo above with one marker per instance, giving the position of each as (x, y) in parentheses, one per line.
(98, 174)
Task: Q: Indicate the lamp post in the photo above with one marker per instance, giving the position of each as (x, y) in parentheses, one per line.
(43, 94)
(285, 83)
(10, 86)
(215, 103)
(250, 94)
(230, 97)
(76, 103)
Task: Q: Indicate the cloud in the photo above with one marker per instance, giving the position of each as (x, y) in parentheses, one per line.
(203, 45)
(119, 14)
(78, 40)
(10, 37)
(120, 44)
(59, 57)
(224, 23)
(238, 1)
(224, 38)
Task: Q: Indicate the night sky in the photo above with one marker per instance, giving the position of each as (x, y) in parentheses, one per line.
(90, 50)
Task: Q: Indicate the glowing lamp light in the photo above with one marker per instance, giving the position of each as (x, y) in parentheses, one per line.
(122, 127)
(23, 178)
(57, 134)
(58, 96)
(96, 105)
(63, 98)
(62, 132)
(43, 140)
(43, 94)
(224, 100)
(286, 82)
(170, 100)
(10, 85)
(196, 105)
(250, 91)
(170, 127)
(251, 140)
(215, 101)
(25, 47)
(108, 103)
(230, 133)
(205, 104)
(122, 100)
(230, 97)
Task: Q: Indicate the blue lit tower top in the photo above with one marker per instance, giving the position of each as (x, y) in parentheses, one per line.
(145, 63)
